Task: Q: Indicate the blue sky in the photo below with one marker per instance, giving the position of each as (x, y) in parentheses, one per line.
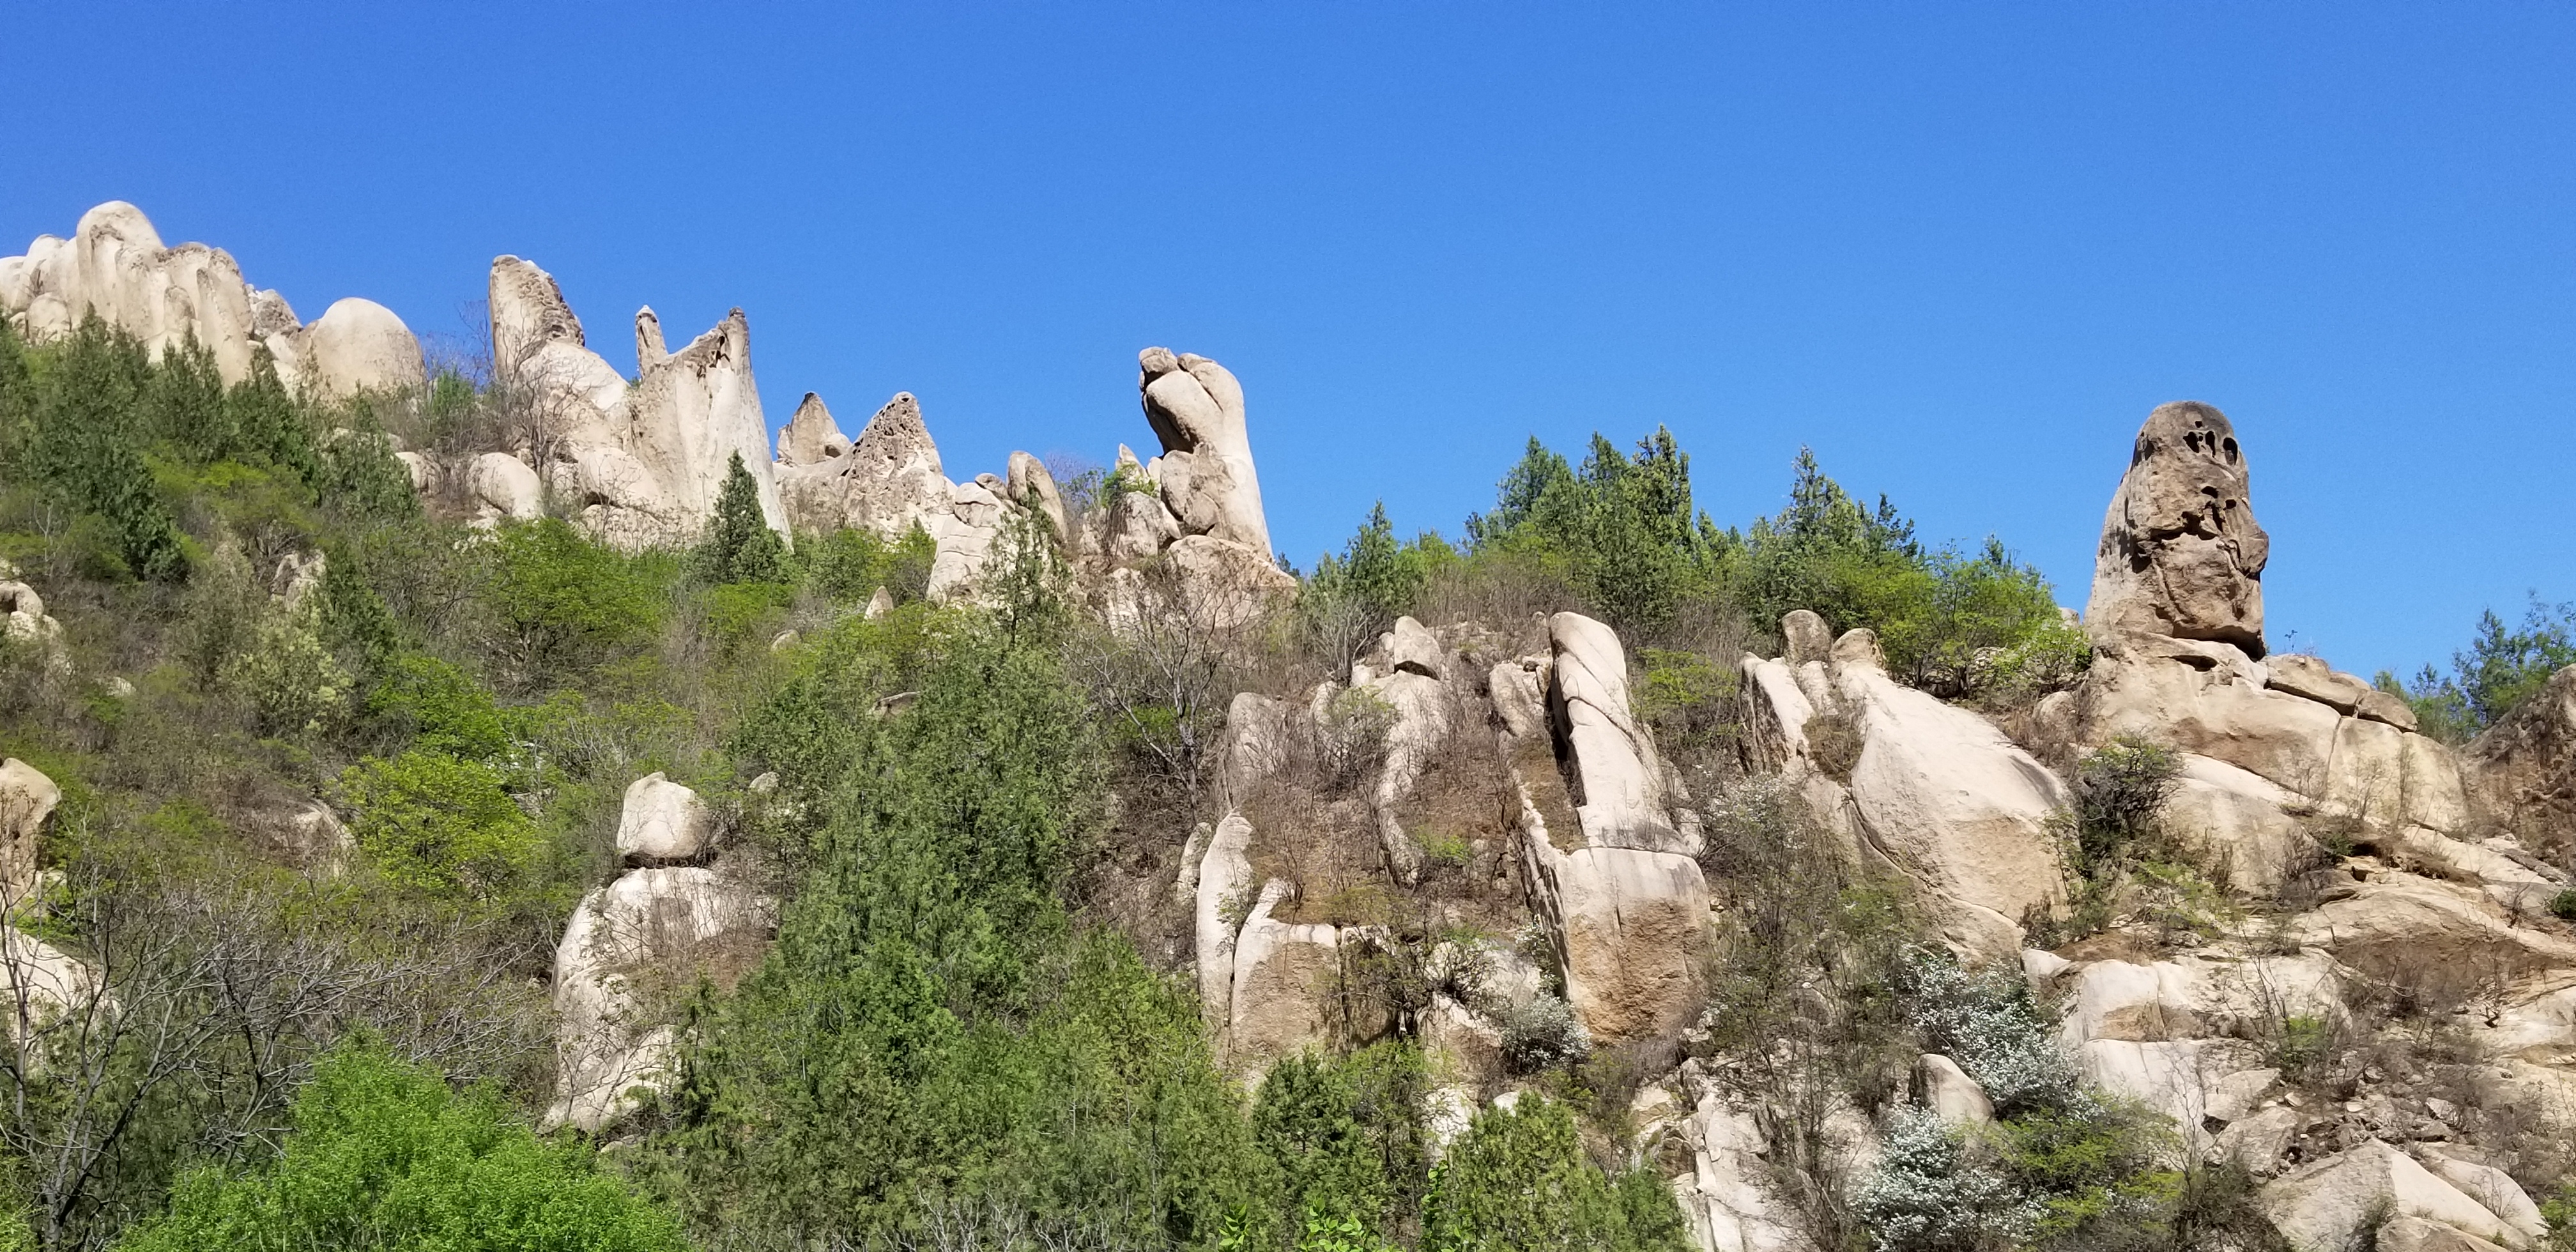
(1960, 250)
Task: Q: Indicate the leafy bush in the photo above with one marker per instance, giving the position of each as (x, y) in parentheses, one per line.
(2497, 673)
(1352, 733)
(438, 707)
(1686, 698)
(563, 602)
(2120, 792)
(1346, 1136)
(381, 1157)
(2563, 906)
(1622, 528)
(1517, 1181)
(1834, 742)
(438, 825)
(1542, 1033)
(850, 564)
(1932, 1193)
(1356, 597)
(1988, 1023)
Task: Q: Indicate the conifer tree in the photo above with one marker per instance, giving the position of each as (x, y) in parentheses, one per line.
(740, 547)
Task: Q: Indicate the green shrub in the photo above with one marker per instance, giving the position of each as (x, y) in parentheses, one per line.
(1518, 1181)
(1347, 1139)
(1688, 699)
(563, 602)
(2563, 906)
(2499, 671)
(435, 824)
(2120, 792)
(1622, 527)
(438, 708)
(381, 1157)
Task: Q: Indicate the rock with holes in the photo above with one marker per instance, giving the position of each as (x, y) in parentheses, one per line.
(1285, 976)
(889, 482)
(2325, 1205)
(629, 951)
(694, 412)
(662, 821)
(2181, 553)
(1614, 776)
(1205, 473)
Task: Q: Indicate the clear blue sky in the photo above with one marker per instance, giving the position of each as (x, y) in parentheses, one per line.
(1960, 250)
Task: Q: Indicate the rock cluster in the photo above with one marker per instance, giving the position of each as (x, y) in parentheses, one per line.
(634, 943)
(2181, 554)
(114, 267)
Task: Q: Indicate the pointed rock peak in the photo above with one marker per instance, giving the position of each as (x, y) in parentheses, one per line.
(2181, 553)
(811, 437)
(528, 311)
(897, 437)
(649, 349)
(1127, 466)
(271, 315)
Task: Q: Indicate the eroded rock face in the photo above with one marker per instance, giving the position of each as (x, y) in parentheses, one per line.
(2525, 765)
(2324, 1205)
(1631, 930)
(1224, 880)
(2181, 554)
(888, 482)
(1725, 1196)
(115, 266)
(1205, 472)
(631, 943)
(811, 437)
(1284, 977)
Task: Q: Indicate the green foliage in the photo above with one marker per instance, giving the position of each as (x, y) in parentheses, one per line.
(2120, 792)
(291, 678)
(2563, 906)
(563, 602)
(1685, 697)
(437, 707)
(1622, 527)
(436, 824)
(739, 546)
(850, 564)
(930, 1036)
(381, 1157)
(1517, 1181)
(84, 444)
(1346, 1138)
(2497, 673)
(1355, 597)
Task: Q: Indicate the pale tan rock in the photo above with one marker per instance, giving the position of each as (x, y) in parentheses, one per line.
(1631, 930)
(1410, 647)
(1960, 810)
(507, 486)
(2414, 1234)
(1518, 690)
(652, 930)
(1224, 880)
(114, 266)
(1952, 1096)
(880, 603)
(41, 984)
(2258, 1140)
(811, 437)
(2441, 939)
(1806, 637)
(27, 798)
(2524, 766)
(1196, 408)
(2181, 553)
(2191, 1081)
(1284, 978)
(1615, 778)
(2120, 1000)
(662, 821)
(2238, 817)
(977, 512)
(359, 347)
(695, 410)
(888, 483)
(1727, 1194)
(1032, 488)
(1136, 527)
(2493, 1189)
(2321, 1205)
(1256, 743)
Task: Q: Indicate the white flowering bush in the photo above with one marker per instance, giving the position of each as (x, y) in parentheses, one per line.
(1988, 1023)
(1934, 1191)
(1542, 1032)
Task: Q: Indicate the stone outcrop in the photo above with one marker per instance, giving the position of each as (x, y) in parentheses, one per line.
(811, 437)
(888, 480)
(2181, 554)
(1284, 977)
(629, 948)
(2325, 1204)
(115, 267)
(2525, 764)
(1205, 473)
(1725, 1194)
(1613, 775)
(1224, 881)
(27, 798)
(662, 821)
(1630, 927)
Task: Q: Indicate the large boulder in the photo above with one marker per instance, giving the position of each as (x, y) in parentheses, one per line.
(1727, 1194)
(2439, 939)
(888, 482)
(1955, 806)
(2524, 766)
(2326, 1204)
(1224, 883)
(811, 437)
(359, 346)
(27, 798)
(662, 821)
(693, 412)
(1205, 472)
(1630, 927)
(630, 948)
(1613, 775)
(1285, 975)
(2181, 554)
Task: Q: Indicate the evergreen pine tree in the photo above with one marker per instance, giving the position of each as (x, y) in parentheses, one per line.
(740, 547)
